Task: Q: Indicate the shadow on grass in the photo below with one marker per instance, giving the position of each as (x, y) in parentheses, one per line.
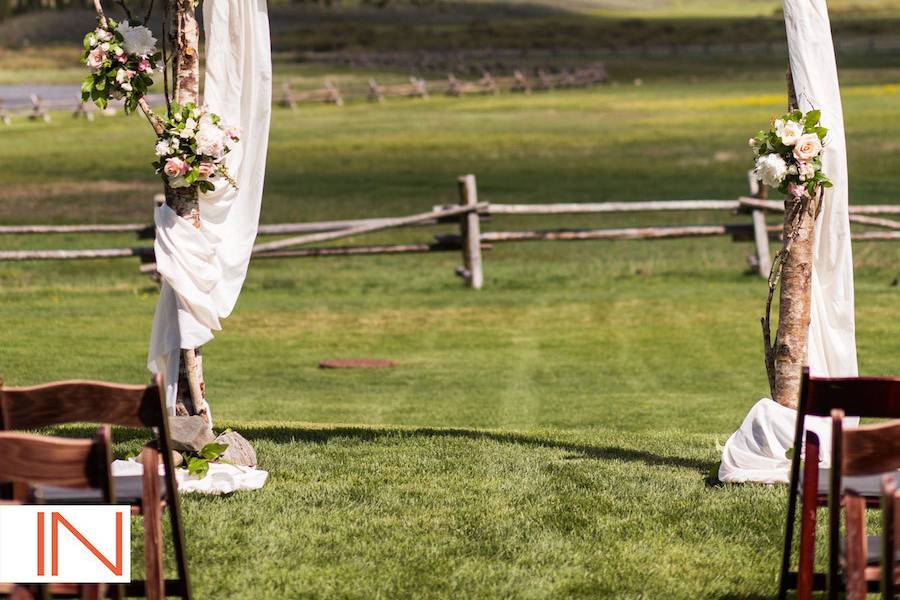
(578, 451)
(315, 435)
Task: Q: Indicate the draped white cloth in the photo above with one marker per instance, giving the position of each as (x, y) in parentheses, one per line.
(757, 451)
(203, 269)
(221, 478)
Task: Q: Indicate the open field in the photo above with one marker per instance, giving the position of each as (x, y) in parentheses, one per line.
(551, 436)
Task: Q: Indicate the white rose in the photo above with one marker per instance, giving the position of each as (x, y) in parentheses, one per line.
(121, 75)
(163, 148)
(137, 40)
(186, 133)
(103, 35)
(210, 140)
(105, 46)
(771, 169)
(790, 133)
(808, 147)
(127, 87)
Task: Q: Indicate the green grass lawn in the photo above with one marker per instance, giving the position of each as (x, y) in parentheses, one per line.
(551, 436)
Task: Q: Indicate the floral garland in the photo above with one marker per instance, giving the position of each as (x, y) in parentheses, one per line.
(192, 148)
(789, 154)
(121, 58)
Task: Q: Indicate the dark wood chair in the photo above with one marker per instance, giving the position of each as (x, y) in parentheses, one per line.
(76, 464)
(140, 407)
(868, 397)
(890, 537)
(858, 451)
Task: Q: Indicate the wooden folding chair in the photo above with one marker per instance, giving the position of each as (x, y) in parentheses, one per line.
(77, 464)
(870, 397)
(890, 536)
(858, 451)
(141, 407)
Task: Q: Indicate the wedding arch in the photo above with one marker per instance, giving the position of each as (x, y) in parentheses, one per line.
(211, 158)
(814, 268)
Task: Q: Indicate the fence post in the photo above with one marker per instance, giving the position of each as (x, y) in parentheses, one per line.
(760, 231)
(470, 229)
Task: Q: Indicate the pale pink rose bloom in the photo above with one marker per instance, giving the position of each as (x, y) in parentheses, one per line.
(144, 66)
(206, 169)
(95, 58)
(797, 191)
(807, 147)
(122, 58)
(176, 166)
(806, 170)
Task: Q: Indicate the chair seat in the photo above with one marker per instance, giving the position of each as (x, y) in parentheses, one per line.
(873, 550)
(868, 486)
(129, 490)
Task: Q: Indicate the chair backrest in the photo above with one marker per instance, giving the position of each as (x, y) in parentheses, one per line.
(93, 402)
(864, 450)
(73, 463)
(66, 402)
(871, 397)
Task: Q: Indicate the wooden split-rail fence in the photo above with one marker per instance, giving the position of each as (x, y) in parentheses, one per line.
(470, 215)
(40, 110)
(453, 86)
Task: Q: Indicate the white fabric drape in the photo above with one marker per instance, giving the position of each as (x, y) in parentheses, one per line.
(203, 269)
(757, 451)
(221, 478)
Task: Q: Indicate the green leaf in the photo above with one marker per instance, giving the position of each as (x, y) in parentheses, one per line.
(197, 467)
(213, 450)
(812, 118)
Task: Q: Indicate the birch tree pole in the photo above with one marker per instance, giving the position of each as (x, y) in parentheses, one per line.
(181, 72)
(185, 64)
(792, 268)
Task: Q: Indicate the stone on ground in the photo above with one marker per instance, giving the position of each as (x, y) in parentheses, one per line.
(190, 434)
(239, 451)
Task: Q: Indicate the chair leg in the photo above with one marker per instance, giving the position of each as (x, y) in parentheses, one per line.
(153, 544)
(808, 505)
(93, 591)
(788, 540)
(21, 592)
(855, 569)
(174, 507)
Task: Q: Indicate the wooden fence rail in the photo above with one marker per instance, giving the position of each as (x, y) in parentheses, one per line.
(470, 214)
(453, 86)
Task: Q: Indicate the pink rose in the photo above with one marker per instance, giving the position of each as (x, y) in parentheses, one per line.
(122, 59)
(95, 59)
(797, 191)
(806, 171)
(176, 166)
(808, 147)
(206, 169)
(144, 66)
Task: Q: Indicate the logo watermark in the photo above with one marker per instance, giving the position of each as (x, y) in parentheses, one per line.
(65, 544)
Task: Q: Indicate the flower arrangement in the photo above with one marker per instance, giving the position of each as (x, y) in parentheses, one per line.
(789, 154)
(121, 58)
(192, 148)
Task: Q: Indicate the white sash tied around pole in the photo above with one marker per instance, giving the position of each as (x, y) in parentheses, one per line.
(758, 450)
(203, 269)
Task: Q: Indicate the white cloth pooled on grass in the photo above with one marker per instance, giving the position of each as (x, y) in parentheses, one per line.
(221, 478)
(203, 269)
(758, 450)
